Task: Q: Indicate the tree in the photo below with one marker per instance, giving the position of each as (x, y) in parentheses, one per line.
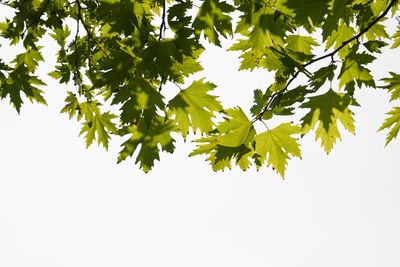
(122, 53)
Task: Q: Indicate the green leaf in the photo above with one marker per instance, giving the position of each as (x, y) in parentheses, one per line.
(72, 105)
(353, 69)
(188, 66)
(236, 129)
(306, 12)
(392, 123)
(300, 43)
(194, 107)
(378, 6)
(283, 103)
(231, 140)
(374, 46)
(20, 81)
(276, 145)
(326, 110)
(260, 101)
(212, 19)
(139, 99)
(267, 31)
(377, 31)
(151, 138)
(318, 79)
(220, 157)
(60, 35)
(177, 18)
(396, 38)
(393, 85)
(128, 54)
(97, 125)
(339, 10)
(336, 39)
(63, 73)
(289, 64)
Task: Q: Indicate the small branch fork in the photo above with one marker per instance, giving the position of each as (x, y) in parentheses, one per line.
(160, 36)
(77, 74)
(331, 55)
(90, 38)
(162, 26)
(36, 21)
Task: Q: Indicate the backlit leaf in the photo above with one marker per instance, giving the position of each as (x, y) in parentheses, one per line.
(194, 107)
(276, 145)
(325, 111)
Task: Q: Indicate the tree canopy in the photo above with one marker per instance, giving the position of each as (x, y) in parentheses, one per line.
(123, 53)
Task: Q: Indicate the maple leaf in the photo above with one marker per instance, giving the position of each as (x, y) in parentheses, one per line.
(392, 123)
(300, 47)
(124, 52)
(318, 79)
(138, 98)
(289, 63)
(177, 18)
(260, 100)
(326, 110)
(396, 37)
(236, 129)
(96, 123)
(378, 6)
(300, 43)
(251, 61)
(60, 35)
(71, 106)
(283, 103)
(189, 65)
(194, 107)
(230, 140)
(336, 39)
(268, 31)
(393, 85)
(213, 20)
(374, 46)
(21, 81)
(123, 17)
(353, 69)
(276, 145)
(159, 57)
(305, 12)
(150, 138)
(338, 10)
(377, 31)
(220, 157)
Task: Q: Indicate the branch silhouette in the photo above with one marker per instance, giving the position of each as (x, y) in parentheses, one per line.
(331, 54)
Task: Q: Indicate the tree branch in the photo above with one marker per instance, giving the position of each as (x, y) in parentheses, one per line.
(89, 35)
(354, 37)
(376, 20)
(160, 36)
(36, 21)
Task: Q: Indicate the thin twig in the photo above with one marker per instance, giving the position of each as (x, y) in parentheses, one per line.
(89, 34)
(36, 21)
(332, 54)
(160, 36)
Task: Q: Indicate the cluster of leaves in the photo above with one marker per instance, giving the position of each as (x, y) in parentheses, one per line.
(118, 51)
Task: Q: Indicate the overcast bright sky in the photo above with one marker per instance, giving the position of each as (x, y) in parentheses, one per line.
(63, 205)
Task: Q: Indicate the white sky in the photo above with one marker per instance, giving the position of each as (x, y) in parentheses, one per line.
(63, 205)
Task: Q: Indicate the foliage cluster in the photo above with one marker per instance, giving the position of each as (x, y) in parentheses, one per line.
(119, 52)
